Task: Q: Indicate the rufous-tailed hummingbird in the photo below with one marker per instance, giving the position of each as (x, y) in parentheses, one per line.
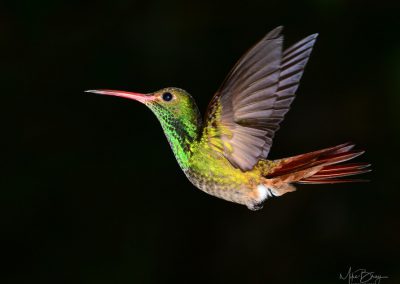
(226, 154)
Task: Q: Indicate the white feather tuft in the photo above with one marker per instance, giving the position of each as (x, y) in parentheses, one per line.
(263, 192)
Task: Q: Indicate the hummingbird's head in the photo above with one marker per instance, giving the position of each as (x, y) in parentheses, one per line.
(175, 108)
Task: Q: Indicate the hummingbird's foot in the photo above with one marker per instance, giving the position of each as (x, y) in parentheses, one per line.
(256, 206)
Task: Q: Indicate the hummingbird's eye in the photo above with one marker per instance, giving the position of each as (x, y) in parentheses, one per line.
(167, 96)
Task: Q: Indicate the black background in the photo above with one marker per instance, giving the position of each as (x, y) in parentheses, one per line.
(91, 193)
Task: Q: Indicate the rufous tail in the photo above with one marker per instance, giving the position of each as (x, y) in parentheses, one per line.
(319, 167)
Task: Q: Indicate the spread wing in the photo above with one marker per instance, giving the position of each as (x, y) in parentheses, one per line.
(246, 111)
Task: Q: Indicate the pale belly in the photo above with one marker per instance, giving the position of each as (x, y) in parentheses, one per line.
(218, 178)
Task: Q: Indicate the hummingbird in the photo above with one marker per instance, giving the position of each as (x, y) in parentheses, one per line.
(225, 155)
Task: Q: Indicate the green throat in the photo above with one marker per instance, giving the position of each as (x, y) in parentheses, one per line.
(181, 126)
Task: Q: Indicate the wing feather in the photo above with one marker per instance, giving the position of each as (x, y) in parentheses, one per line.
(246, 111)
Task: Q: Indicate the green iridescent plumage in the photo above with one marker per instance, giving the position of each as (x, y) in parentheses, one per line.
(181, 122)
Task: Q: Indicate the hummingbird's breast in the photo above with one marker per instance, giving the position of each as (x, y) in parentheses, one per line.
(215, 175)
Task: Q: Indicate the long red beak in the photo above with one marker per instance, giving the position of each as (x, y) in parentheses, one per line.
(129, 95)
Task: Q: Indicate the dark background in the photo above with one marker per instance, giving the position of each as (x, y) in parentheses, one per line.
(91, 193)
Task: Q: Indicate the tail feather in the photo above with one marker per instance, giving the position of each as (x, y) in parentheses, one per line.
(321, 167)
(299, 162)
(329, 181)
(349, 166)
(339, 174)
(342, 170)
(338, 158)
